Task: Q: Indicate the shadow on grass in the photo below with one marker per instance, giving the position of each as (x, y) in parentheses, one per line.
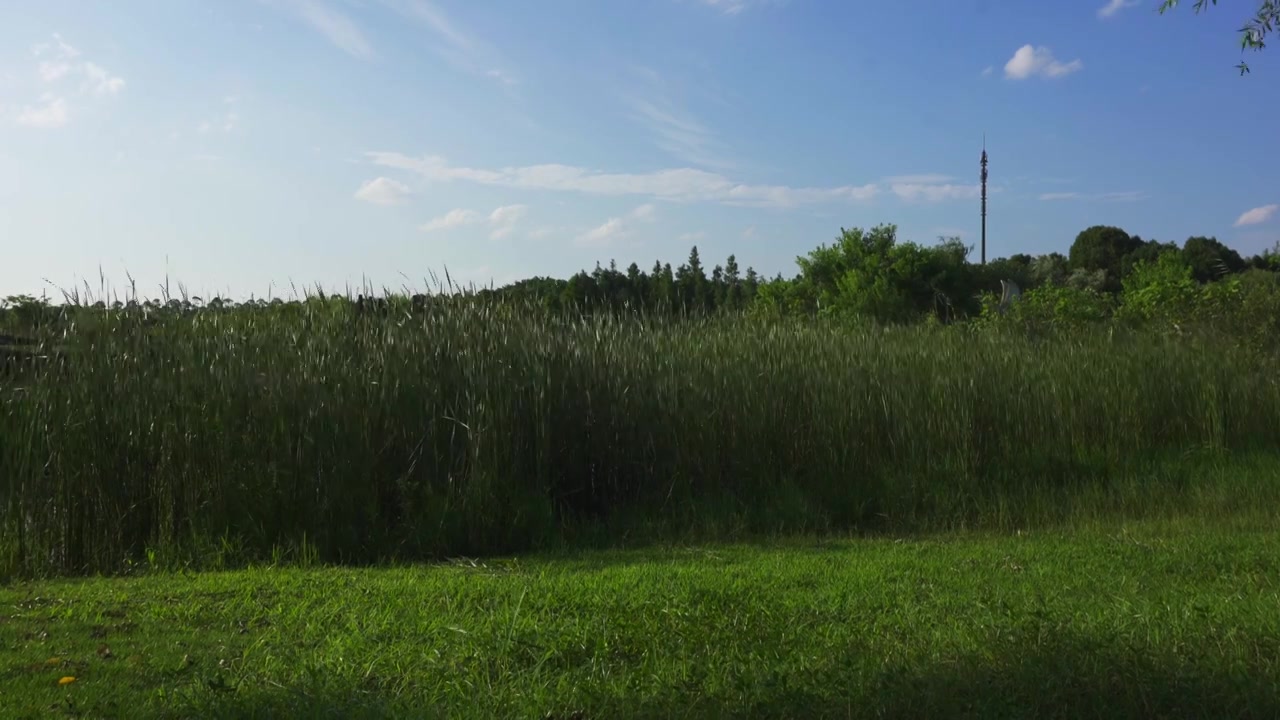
(1035, 676)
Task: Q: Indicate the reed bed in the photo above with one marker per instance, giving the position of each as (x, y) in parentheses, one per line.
(471, 427)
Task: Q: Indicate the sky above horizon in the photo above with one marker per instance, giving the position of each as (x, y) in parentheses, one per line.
(261, 147)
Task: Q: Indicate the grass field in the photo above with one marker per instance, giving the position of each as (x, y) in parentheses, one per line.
(999, 524)
(226, 436)
(1173, 619)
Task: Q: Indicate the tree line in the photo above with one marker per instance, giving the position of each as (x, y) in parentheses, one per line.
(875, 275)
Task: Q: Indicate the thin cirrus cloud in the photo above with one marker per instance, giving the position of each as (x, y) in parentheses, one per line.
(1115, 6)
(1123, 196)
(502, 221)
(458, 48)
(676, 185)
(651, 102)
(383, 191)
(931, 188)
(337, 28)
(461, 49)
(1029, 61)
(678, 133)
(733, 7)
(1257, 216)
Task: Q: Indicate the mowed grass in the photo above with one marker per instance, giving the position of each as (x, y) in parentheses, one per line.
(1169, 619)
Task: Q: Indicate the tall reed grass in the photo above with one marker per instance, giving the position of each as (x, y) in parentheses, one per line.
(474, 427)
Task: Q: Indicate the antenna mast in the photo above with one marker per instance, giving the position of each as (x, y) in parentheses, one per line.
(983, 164)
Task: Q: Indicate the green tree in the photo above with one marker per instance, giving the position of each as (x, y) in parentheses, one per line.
(1049, 270)
(1254, 32)
(1160, 290)
(691, 283)
(1103, 248)
(1210, 259)
(1148, 251)
(750, 284)
(733, 296)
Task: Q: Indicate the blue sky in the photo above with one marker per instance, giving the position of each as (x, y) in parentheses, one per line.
(239, 146)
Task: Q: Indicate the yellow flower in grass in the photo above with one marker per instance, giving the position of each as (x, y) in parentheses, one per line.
(66, 680)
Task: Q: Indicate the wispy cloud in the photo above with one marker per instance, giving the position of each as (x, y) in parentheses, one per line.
(678, 185)
(1257, 216)
(1029, 61)
(931, 188)
(926, 179)
(452, 219)
(383, 191)
(50, 113)
(733, 7)
(1123, 196)
(502, 221)
(100, 81)
(674, 129)
(1114, 6)
(336, 27)
(617, 228)
(225, 123)
(459, 48)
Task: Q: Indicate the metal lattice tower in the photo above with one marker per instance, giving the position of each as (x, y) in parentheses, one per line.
(984, 198)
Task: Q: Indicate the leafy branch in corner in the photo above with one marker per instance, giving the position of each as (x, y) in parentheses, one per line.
(1253, 33)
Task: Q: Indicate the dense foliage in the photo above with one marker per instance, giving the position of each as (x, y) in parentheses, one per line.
(880, 387)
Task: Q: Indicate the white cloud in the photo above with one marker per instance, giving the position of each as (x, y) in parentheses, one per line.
(53, 70)
(934, 192)
(680, 184)
(227, 123)
(64, 63)
(925, 179)
(986, 72)
(383, 191)
(1257, 216)
(1122, 196)
(501, 77)
(749, 233)
(733, 7)
(61, 61)
(1114, 6)
(504, 219)
(645, 212)
(1030, 61)
(617, 228)
(51, 113)
(692, 237)
(102, 82)
(336, 27)
(451, 219)
(606, 234)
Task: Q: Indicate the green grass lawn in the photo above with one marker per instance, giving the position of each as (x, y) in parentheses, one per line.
(1176, 619)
